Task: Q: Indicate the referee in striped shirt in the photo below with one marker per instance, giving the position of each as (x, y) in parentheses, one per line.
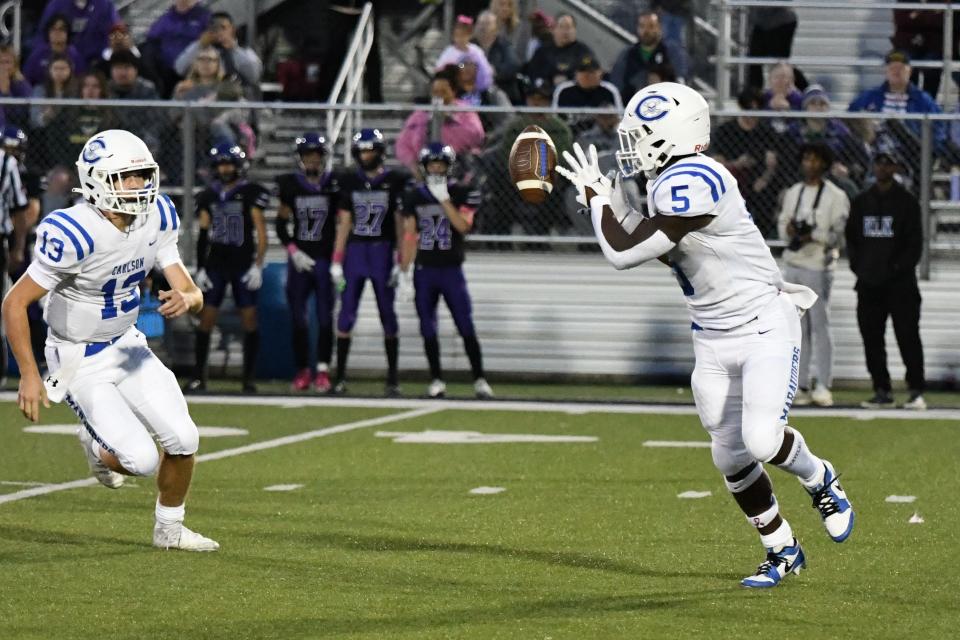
(13, 202)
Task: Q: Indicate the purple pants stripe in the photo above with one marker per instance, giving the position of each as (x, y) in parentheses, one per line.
(433, 282)
(371, 261)
(300, 284)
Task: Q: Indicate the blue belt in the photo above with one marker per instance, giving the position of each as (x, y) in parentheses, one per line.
(93, 348)
(695, 327)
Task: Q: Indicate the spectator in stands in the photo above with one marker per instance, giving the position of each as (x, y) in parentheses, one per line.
(884, 243)
(173, 32)
(338, 26)
(771, 36)
(13, 85)
(89, 20)
(469, 93)
(587, 89)
(851, 157)
(557, 61)
(603, 135)
(499, 54)
(539, 94)
(77, 124)
(126, 84)
(752, 151)
(674, 16)
(508, 19)
(59, 83)
(461, 130)
(898, 95)
(237, 62)
(920, 34)
(541, 33)
(812, 221)
(630, 72)
(462, 50)
(782, 93)
(119, 39)
(56, 42)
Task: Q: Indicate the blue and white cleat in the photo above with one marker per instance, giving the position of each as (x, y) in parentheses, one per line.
(776, 567)
(831, 501)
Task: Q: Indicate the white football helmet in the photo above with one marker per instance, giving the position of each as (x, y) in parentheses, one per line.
(103, 163)
(661, 121)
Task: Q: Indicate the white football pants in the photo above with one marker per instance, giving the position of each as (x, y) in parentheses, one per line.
(126, 397)
(744, 382)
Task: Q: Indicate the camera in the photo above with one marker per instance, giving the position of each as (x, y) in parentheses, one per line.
(802, 228)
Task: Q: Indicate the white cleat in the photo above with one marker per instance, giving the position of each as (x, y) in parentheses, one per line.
(916, 403)
(821, 396)
(802, 398)
(106, 476)
(831, 501)
(482, 389)
(177, 536)
(437, 389)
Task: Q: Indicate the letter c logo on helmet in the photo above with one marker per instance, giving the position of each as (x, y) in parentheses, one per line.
(653, 108)
(91, 153)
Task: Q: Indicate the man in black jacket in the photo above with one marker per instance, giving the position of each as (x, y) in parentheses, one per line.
(557, 62)
(884, 242)
(649, 53)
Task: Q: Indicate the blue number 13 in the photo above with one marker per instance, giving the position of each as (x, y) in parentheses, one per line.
(126, 306)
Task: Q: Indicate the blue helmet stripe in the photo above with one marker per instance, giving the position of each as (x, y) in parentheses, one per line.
(68, 233)
(76, 225)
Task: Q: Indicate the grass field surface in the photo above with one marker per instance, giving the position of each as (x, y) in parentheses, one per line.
(377, 535)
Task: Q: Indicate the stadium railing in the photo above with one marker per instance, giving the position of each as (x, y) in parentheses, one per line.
(760, 148)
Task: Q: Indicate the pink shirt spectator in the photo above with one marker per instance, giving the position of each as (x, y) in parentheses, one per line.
(462, 131)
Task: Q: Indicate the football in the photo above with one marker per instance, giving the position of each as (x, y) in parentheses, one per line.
(533, 159)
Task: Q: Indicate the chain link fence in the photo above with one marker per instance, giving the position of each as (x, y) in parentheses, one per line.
(761, 149)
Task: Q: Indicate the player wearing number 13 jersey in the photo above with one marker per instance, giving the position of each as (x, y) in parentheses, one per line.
(91, 258)
(746, 319)
(437, 214)
(311, 198)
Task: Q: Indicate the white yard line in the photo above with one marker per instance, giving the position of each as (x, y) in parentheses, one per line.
(239, 451)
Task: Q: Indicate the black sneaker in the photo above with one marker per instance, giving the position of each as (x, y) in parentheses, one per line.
(249, 387)
(339, 389)
(880, 400)
(195, 386)
(391, 390)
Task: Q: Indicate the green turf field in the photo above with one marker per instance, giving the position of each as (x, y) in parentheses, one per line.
(385, 540)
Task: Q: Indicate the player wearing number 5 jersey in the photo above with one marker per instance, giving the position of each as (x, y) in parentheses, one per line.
(228, 253)
(91, 259)
(438, 213)
(746, 322)
(311, 198)
(367, 236)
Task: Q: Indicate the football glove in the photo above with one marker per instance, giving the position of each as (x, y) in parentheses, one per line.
(394, 279)
(405, 286)
(301, 261)
(253, 278)
(438, 187)
(202, 280)
(336, 275)
(584, 171)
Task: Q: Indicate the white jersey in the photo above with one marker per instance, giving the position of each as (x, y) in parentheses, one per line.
(93, 270)
(725, 269)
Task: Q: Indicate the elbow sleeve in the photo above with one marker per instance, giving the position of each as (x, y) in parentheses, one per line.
(649, 249)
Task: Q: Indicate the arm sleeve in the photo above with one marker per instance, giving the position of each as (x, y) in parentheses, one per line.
(248, 64)
(785, 213)
(852, 230)
(186, 58)
(688, 193)
(168, 253)
(203, 247)
(913, 240)
(484, 70)
(651, 248)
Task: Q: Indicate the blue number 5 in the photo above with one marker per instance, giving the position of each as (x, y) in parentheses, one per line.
(683, 200)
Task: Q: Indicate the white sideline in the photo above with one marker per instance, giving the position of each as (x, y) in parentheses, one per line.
(239, 451)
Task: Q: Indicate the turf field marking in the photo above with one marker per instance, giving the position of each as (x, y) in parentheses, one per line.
(487, 491)
(283, 487)
(901, 499)
(694, 495)
(14, 483)
(238, 451)
(430, 436)
(915, 519)
(678, 444)
(71, 430)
